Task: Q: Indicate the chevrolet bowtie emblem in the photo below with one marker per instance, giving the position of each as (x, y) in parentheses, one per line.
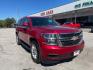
(74, 38)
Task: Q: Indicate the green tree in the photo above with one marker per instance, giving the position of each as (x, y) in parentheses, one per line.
(2, 23)
(10, 22)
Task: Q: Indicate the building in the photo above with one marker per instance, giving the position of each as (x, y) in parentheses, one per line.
(79, 11)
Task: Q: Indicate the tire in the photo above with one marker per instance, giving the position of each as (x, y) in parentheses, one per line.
(91, 30)
(18, 40)
(34, 49)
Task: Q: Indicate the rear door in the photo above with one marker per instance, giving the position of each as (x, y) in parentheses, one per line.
(21, 30)
(26, 32)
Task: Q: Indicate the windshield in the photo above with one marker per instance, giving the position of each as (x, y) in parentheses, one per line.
(43, 22)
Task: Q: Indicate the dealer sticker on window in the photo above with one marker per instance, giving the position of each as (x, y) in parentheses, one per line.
(76, 52)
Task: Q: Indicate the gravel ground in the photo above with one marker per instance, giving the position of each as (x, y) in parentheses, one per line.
(14, 57)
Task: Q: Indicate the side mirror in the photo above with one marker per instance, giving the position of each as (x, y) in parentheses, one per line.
(25, 25)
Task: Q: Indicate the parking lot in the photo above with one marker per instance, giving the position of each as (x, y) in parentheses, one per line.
(14, 57)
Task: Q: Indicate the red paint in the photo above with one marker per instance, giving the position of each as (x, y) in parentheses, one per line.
(45, 49)
(72, 24)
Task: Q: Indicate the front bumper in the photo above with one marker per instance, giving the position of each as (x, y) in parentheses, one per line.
(59, 53)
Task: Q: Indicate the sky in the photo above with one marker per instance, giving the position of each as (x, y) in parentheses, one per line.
(20, 8)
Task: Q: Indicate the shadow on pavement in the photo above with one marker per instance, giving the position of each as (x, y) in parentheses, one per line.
(25, 48)
(56, 62)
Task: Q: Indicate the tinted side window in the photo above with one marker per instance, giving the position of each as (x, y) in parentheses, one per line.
(25, 20)
(20, 22)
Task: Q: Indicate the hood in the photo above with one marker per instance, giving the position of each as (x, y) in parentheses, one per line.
(57, 29)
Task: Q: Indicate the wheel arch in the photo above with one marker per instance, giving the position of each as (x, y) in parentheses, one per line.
(33, 39)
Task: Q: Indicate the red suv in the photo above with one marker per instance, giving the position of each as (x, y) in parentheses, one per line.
(47, 40)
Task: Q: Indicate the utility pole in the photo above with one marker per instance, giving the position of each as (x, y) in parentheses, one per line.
(18, 13)
(75, 16)
(76, 0)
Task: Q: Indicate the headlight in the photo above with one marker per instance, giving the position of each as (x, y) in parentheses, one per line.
(81, 35)
(51, 39)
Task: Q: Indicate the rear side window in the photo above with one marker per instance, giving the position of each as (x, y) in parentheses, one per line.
(20, 22)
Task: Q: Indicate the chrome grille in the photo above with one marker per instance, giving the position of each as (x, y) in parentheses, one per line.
(70, 39)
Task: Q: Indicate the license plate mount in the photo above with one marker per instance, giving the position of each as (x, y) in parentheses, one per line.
(76, 53)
